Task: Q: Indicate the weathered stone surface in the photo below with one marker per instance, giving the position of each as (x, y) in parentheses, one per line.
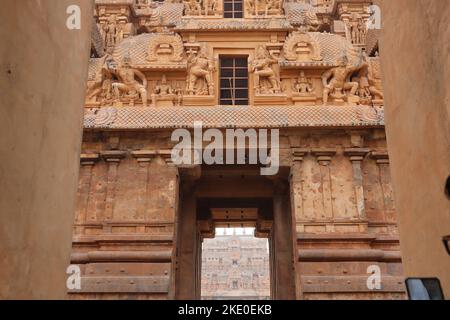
(418, 128)
(42, 86)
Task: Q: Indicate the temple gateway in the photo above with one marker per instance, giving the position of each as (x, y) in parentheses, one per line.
(307, 68)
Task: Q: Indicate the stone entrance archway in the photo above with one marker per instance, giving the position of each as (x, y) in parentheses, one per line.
(239, 196)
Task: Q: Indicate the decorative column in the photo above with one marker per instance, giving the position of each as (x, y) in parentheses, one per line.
(357, 156)
(324, 157)
(143, 157)
(113, 159)
(87, 162)
(296, 185)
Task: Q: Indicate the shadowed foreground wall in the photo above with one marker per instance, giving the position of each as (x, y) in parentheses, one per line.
(42, 82)
(416, 68)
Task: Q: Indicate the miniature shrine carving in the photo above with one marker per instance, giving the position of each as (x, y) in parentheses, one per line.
(165, 48)
(300, 46)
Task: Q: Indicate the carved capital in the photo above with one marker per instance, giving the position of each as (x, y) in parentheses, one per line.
(381, 157)
(324, 156)
(298, 154)
(113, 156)
(166, 155)
(89, 159)
(356, 154)
(144, 155)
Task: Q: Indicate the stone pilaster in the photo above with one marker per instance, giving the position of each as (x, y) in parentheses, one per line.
(324, 157)
(113, 159)
(357, 156)
(143, 157)
(87, 162)
(382, 160)
(296, 182)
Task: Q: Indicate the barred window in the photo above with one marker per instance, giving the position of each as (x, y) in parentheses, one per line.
(234, 80)
(233, 9)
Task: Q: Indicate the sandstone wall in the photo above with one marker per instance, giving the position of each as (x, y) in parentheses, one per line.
(43, 68)
(341, 194)
(416, 65)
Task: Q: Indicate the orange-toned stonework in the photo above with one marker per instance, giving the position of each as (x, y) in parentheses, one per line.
(312, 71)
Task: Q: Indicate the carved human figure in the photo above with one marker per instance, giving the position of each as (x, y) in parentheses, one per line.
(111, 31)
(336, 80)
(193, 7)
(362, 30)
(263, 70)
(354, 26)
(375, 83)
(303, 86)
(251, 6)
(128, 83)
(209, 7)
(100, 87)
(200, 68)
(273, 5)
(363, 85)
(142, 3)
(163, 88)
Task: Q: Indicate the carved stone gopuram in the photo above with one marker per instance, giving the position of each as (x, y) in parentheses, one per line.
(308, 68)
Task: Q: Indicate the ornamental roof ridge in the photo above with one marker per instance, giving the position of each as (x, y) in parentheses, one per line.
(233, 117)
(272, 23)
